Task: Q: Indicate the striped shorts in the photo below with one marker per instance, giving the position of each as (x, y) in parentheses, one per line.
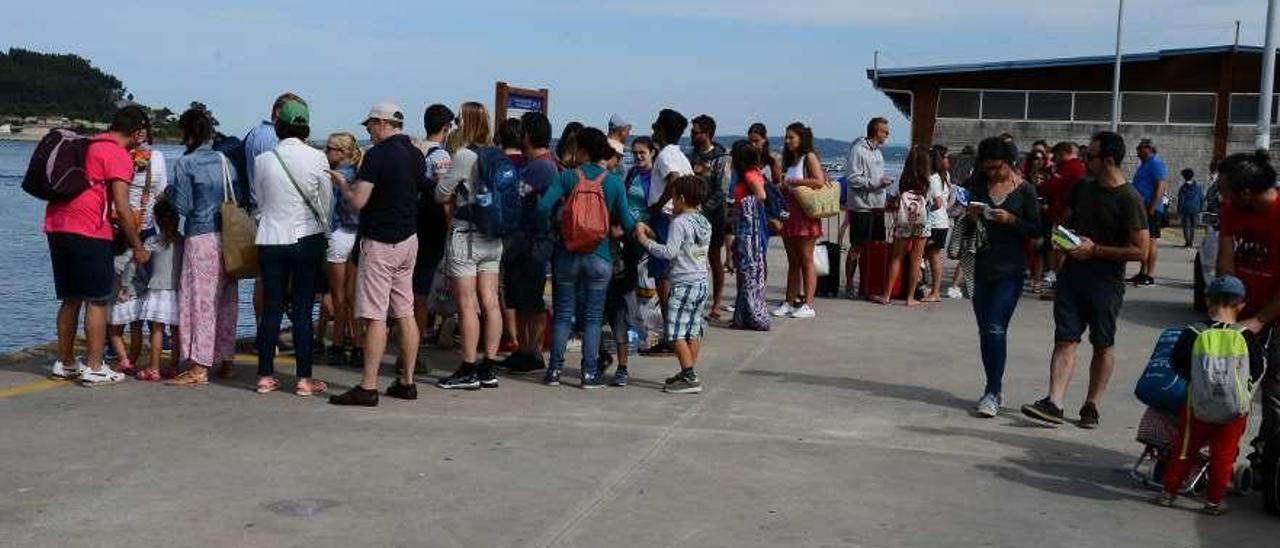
(684, 310)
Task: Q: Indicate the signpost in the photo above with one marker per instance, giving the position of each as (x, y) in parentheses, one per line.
(512, 102)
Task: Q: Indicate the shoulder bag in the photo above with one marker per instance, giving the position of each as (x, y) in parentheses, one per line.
(239, 252)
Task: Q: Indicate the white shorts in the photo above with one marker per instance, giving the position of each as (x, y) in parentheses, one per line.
(341, 242)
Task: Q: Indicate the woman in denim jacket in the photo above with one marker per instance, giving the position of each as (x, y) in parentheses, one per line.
(208, 297)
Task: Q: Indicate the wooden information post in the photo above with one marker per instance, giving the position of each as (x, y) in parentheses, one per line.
(512, 102)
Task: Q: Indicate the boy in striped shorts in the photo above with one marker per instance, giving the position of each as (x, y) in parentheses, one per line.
(686, 248)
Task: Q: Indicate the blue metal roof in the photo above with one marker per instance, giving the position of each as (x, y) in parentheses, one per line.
(1053, 63)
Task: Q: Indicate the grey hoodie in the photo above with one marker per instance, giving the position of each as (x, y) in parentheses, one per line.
(865, 170)
(686, 248)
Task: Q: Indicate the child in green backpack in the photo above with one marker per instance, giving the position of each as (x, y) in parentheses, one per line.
(1226, 299)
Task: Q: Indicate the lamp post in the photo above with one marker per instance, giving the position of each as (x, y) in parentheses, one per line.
(1268, 80)
(1115, 83)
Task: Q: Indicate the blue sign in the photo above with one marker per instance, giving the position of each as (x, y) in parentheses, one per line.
(521, 102)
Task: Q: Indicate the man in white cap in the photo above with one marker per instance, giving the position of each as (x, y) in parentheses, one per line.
(619, 132)
(386, 193)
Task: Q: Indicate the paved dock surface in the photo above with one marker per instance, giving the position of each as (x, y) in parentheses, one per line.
(852, 429)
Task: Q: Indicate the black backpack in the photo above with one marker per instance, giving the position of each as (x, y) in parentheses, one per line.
(233, 148)
(56, 171)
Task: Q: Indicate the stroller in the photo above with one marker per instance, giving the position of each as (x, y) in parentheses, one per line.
(1165, 393)
(1156, 432)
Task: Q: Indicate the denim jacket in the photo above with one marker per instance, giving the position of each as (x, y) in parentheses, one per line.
(196, 190)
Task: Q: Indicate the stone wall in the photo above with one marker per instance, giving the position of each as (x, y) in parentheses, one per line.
(1180, 146)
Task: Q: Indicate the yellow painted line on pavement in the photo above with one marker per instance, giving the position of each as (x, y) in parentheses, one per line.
(32, 388)
(50, 384)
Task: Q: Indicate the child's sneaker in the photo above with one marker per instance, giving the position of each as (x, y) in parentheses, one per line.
(621, 377)
(102, 377)
(683, 383)
(954, 293)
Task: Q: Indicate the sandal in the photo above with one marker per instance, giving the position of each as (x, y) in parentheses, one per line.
(879, 300)
(267, 384)
(125, 366)
(148, 375)
(307, 387)
(196, 376)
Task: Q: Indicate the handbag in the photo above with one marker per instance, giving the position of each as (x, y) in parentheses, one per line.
(819, 203)
(821, 261)
(239, 252)
(969, 237)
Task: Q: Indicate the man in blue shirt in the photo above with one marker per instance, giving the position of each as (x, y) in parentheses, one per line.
(262, 138)
(1150, 181)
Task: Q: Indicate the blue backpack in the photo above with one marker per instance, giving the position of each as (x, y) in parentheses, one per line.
(1159, 386)
(495, 206)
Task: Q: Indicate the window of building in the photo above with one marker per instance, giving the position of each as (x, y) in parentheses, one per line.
(1092, 107)
(1049, 106)
(1144, 108)
(959, 104)
(1244, 109)
(1004, 105)
(1192, 108)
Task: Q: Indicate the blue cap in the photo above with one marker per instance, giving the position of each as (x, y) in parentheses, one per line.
(1227, 286)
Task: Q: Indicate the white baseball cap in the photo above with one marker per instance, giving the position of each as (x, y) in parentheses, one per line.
(385, 111)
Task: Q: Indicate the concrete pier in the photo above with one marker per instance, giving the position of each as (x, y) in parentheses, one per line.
(851, 429)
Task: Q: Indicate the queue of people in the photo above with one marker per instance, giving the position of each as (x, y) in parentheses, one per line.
(470, 225)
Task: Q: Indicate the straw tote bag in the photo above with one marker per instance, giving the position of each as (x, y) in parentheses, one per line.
(239, 253)
(819, 203)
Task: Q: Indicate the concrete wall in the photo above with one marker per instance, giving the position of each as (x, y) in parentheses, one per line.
(1180, 146)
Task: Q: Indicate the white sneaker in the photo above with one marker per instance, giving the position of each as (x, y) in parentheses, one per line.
(954, 293)
(61, 371)
(784, 310)
(805, 311)
(989, 406)
(103, 376)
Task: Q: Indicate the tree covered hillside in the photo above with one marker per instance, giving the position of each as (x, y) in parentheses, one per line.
(45, 84)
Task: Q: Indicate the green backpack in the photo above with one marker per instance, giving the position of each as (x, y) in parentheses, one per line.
(1219, 390)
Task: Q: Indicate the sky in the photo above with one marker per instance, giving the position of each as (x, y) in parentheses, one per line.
(740, 61)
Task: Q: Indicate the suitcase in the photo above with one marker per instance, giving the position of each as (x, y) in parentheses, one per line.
(829, 285)
(873, 270)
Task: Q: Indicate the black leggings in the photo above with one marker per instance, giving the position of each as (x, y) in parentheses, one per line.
(289, 272)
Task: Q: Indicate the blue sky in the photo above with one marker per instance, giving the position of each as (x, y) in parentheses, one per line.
(738, 60)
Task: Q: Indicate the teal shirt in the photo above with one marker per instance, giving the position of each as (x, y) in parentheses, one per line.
(614, 197)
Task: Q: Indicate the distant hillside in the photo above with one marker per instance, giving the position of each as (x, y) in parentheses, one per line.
(45, 84)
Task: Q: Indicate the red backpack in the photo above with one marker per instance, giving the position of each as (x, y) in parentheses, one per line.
(585, 221)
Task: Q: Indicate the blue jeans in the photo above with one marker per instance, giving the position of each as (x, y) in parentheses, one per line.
(574, 273)
(993, 304)
(289, 272)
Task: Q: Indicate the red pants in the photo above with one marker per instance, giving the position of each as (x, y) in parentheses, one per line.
(1224, 446)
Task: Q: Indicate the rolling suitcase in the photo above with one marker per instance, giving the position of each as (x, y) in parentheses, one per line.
(873, 270)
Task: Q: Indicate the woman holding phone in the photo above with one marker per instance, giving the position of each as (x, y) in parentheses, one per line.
(1007, 205)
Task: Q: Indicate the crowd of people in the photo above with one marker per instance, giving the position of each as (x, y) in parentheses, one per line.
(470, 223)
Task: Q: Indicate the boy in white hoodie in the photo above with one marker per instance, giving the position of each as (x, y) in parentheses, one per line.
(686, 248)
